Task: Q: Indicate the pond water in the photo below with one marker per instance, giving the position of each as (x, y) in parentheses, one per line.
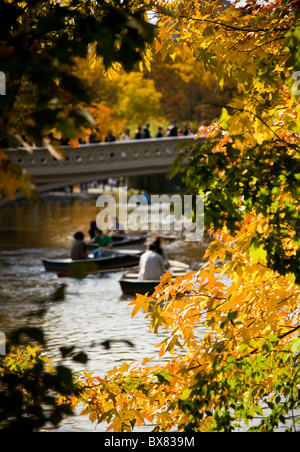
(93, 309)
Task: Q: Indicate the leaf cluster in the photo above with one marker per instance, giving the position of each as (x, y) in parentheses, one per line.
(238, 180)
(256, 392)
(32, 393)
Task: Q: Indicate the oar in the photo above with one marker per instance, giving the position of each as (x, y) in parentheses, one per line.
(178, 264)
(67, 253)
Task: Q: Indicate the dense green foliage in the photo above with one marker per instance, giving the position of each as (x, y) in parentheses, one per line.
(39, 42)
(264, 179)
(259, 410)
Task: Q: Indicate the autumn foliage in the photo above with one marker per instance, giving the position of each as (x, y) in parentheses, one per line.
(231, 337)
(229, 357)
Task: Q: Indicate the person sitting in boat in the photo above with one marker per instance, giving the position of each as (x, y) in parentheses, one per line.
(79, 248)
(152, 265)
(104, 241)
(160, 250)
(116, 231)
(93, 226)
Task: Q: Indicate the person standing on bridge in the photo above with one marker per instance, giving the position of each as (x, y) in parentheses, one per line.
(138, 133)
(110, 137)
(146, 131)
(159, 132)
(126, 135)
(172, 130)
(93, 138)
(187, 130)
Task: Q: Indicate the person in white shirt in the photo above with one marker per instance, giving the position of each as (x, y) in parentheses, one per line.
(152, 265)
(126, 135)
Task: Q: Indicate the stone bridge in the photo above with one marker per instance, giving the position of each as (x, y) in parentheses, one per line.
(99, 161)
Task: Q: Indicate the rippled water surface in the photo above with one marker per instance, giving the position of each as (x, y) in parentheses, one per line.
(93, 309)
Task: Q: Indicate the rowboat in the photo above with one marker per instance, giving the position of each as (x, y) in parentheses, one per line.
(117, 261)
(126, 242)
(131, 284)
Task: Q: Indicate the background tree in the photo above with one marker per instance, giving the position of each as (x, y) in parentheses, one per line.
(138, 100)
(39, 41)
(132, 99)
(189, 92)
(166, 90)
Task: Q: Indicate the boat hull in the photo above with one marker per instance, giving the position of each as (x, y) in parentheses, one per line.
(132, 285)
(83, 267)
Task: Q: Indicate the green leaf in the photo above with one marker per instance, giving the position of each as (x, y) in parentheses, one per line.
(295, 347)
(224, 118)
(257, 253)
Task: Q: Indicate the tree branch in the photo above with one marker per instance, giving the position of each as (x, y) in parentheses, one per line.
(234, 27)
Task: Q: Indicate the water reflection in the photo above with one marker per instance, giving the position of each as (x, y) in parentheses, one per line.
(44, 226)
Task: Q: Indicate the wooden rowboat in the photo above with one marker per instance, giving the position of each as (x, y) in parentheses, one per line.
(118, 260)
(131, 284)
